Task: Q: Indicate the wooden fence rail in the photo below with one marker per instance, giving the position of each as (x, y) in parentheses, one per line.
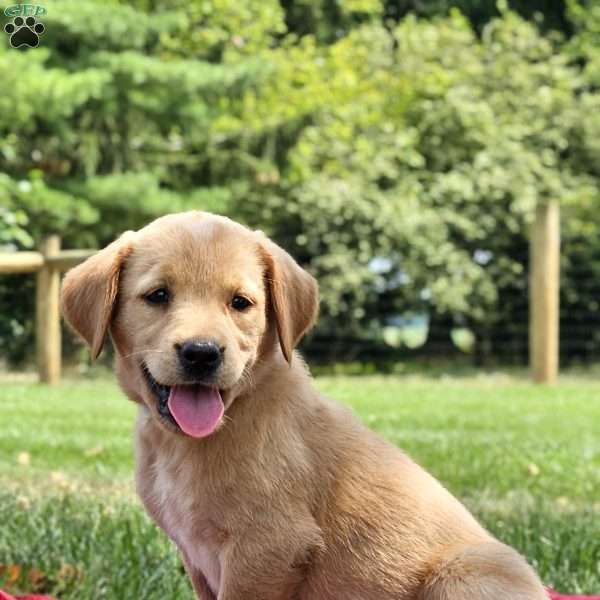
(48, 265)
(543, 295)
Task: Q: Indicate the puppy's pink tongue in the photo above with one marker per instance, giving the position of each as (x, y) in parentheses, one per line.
(196, 408)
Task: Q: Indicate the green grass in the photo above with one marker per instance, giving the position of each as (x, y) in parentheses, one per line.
(525, 459)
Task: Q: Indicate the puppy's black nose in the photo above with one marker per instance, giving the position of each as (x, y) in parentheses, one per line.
(200, 357)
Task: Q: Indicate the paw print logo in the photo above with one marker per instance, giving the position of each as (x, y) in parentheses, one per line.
(24, 32)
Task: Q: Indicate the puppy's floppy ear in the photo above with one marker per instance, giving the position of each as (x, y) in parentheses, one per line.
(294, 296)
(89, 292)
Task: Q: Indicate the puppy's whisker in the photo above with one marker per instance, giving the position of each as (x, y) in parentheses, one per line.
(247, 377)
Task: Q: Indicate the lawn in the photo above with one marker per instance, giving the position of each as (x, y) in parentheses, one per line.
(525, 459)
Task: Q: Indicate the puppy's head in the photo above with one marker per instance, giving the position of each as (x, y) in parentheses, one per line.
(192, 302)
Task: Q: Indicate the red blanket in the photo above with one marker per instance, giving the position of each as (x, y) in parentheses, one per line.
(557, 596)
(5, 596)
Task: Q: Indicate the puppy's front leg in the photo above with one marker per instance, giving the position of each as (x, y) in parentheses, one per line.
(269, 566)
(199, 583)
(203, 592)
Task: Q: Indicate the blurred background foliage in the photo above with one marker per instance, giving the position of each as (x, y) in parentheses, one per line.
(396, 148)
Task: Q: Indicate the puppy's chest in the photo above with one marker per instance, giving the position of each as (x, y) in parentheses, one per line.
(186, 515)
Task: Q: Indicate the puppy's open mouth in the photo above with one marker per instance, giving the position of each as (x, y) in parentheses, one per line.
(196, 409)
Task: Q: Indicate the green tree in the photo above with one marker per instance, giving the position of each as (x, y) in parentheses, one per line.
(108, 123)
(426, 149)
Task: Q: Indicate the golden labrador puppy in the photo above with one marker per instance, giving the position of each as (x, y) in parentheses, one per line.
(270, 491)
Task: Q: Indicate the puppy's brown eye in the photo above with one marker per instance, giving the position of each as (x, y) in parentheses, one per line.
(240, 303)
(159, 296)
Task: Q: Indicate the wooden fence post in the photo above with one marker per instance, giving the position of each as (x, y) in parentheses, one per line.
(544, 282)
(48, 314)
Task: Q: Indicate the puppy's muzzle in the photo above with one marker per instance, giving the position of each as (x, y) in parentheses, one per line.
(200, 358)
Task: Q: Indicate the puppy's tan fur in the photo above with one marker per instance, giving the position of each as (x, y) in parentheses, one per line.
(291, 498)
